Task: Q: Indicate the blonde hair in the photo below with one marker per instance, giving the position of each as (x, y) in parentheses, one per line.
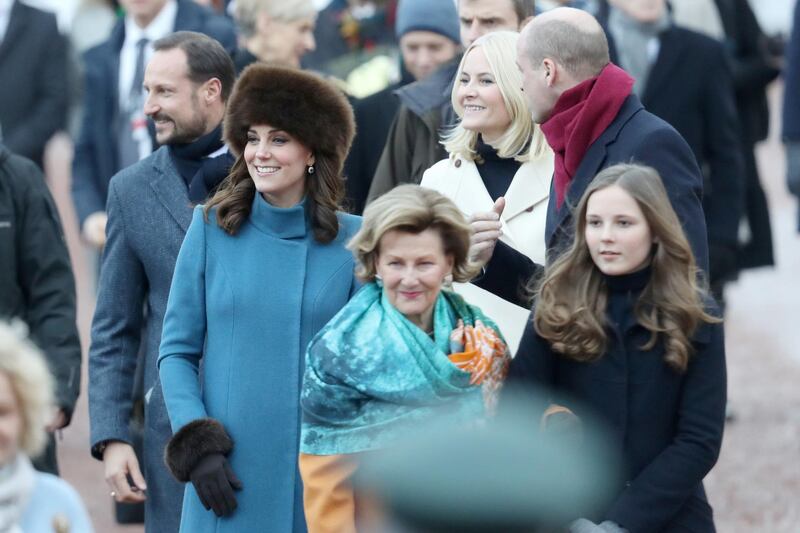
(31, 384)
(413, 209)
(571, 302)
(246, 12)
(523, 140)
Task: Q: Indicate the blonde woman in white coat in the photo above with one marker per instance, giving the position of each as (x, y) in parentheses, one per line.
(496, 151)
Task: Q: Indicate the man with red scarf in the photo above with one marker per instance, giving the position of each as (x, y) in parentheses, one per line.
(591, 120)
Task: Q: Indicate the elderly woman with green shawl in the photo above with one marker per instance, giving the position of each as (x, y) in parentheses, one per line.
(402, 350)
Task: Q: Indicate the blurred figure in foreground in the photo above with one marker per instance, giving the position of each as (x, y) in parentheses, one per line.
(791, 110)
(278, 32)
(36, 283)
(30, 501)
(622, 330)
(511, 475)
(402, 350)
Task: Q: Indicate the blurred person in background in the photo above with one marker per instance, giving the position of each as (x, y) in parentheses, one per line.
(622, 330)
(428, 34)
(664, 59)
(263, 268)
(278, 32)
(34, 79)
(30, 501)
(413, 144)
(587, 5)
(115, 132)
(498, 158)
(791, 110)
(401, 351)
(37, 285)
(188, 81)
(755, 65)
(349, 33)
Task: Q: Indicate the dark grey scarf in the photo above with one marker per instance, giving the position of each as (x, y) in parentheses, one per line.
(632, 40)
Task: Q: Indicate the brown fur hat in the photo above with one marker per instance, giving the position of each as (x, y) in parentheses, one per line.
(302, 104)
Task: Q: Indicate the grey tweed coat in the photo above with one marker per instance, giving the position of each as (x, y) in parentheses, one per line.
(148, 214)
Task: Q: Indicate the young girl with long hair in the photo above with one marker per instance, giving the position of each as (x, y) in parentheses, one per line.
(623, 331)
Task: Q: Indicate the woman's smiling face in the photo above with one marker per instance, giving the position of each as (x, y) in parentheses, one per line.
(484, 110)
(278, 164)
(412, 267)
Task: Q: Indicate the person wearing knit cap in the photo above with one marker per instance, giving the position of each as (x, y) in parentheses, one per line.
(262, 269)
(428, 35)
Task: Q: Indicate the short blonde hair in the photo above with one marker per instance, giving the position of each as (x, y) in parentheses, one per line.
(523, 140)
(31, 384)
(413, 209)
(246, 12)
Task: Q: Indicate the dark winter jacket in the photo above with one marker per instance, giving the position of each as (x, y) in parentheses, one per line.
(413, 145)
(36, 282)
(666, 425)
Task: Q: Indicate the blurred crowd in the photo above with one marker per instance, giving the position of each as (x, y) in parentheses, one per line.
(223, 155)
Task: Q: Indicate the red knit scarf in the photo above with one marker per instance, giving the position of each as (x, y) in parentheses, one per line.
(580, 115)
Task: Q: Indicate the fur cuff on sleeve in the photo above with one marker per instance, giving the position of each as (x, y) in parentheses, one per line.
(192, 442)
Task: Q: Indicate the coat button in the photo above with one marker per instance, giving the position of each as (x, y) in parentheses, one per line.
(458, 163)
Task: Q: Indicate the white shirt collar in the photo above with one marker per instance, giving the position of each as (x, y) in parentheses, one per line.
(161, 26)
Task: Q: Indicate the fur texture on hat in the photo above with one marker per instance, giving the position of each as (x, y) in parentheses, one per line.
(307, 107)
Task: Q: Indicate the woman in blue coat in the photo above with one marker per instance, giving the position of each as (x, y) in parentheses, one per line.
(262, 269)
(622, 332)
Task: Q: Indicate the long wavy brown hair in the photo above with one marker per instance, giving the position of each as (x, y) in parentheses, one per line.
(324, 192)
(572, 297)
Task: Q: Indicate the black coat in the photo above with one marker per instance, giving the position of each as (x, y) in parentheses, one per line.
(34, 85)
(374, 116)
(666, 425)
(703, 110)
(96, 147)
(752, 71)
(36, 283)
(635, 136)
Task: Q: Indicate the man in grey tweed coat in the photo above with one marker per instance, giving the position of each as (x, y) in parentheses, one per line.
(188, 80)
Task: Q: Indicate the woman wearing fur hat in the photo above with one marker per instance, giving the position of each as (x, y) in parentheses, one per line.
(262, 269)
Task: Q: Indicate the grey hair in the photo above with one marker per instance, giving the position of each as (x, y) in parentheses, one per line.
(246, 12)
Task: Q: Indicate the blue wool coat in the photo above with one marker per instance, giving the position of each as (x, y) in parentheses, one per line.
(248, 305)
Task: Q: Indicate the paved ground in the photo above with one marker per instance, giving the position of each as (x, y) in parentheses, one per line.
(756, 484)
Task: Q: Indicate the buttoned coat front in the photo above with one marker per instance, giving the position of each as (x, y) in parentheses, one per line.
(523, 223)
(148, 213)
(247, 306)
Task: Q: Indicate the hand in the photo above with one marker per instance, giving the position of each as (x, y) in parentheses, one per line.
(214, 482)
(486, 230)
(59, 421)
(94, 229)
(121, 464)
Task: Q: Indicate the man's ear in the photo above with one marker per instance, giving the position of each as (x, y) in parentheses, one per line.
(212, 90)
(550, 69)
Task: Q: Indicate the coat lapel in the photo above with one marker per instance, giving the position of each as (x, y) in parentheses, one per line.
(170, 188)
(670, 52)
(531, 185)
(470, 194)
